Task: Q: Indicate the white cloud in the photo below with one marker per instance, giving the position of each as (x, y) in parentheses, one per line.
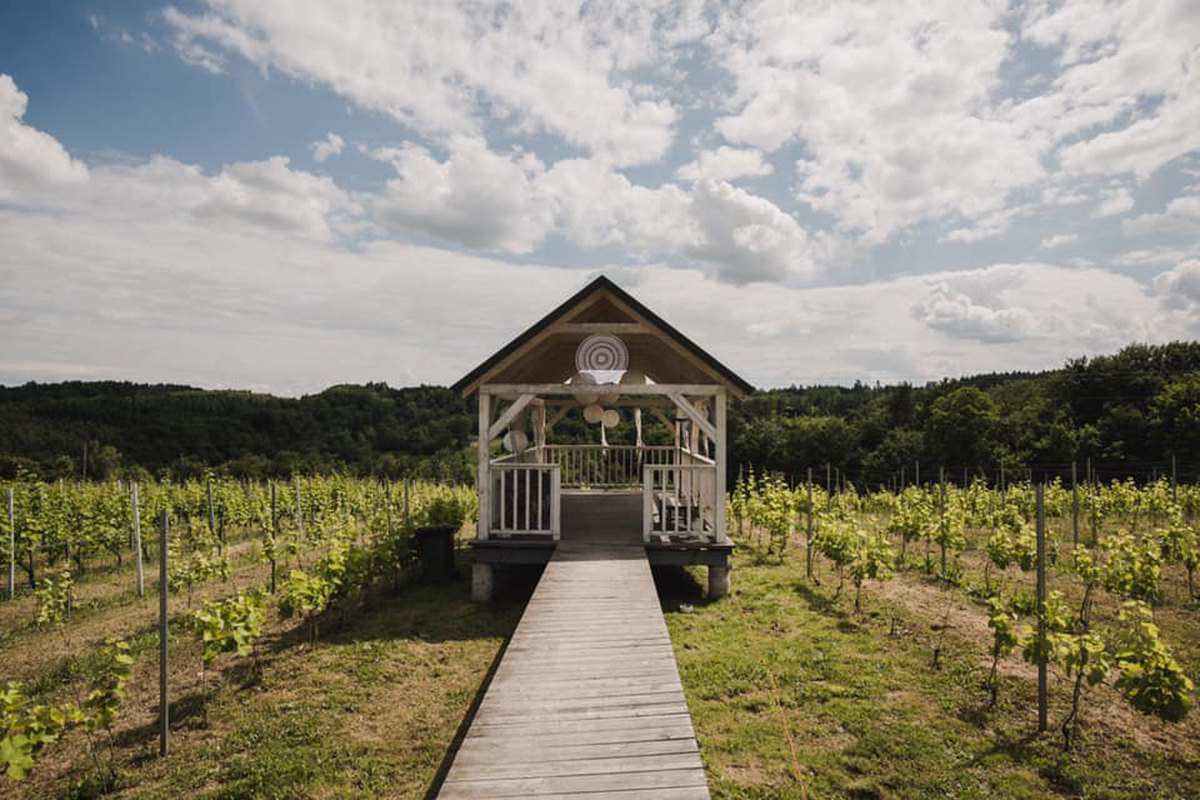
(1181, 217)
(576, 72)
(1179, 288)
(475, 197)
(896, 119)
(911, 117)
(1091, 309)
(1114, 201)
(1128, 82)
(29, 158)
(958, 314)
(331, 145)
(482, 199)
(1060, 240)
(725, 164)
(1156, 256)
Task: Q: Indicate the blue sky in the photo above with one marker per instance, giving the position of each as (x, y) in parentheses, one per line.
(282, 196)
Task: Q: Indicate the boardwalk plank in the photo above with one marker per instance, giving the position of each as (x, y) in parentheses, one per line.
(586, 702)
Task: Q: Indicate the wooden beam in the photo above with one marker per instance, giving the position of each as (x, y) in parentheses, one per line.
(509, 415)
(683, 405)
(562, 412)
(643, 402)
(631, 389)
(615, 328)
(678, 348)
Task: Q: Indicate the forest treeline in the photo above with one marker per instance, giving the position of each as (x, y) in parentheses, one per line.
(1134, 413)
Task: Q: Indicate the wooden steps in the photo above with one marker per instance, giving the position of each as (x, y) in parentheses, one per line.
(586, 702)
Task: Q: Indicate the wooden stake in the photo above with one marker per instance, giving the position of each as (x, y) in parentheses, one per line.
(1075, 503)
(299, 514)
(274, 533)
(942, 516)
(808, 534)
(12, 548)
(212, 515)
(1175, 481)
(164, 713)
(1043, 709)
(137, 542)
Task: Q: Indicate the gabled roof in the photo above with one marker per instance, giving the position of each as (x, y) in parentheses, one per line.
(597, 292)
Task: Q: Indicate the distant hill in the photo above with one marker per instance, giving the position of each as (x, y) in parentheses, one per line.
(1130, 413)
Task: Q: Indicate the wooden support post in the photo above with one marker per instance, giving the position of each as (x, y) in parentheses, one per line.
(721, 466)
(483, 479)
(483, 582)
(1041, 603)
(718, 581)
(164, 713)
(137, 542)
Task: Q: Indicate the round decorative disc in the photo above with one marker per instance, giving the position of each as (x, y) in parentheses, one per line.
(601, 352)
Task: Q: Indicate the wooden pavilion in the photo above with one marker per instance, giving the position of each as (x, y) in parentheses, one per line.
(604, 355)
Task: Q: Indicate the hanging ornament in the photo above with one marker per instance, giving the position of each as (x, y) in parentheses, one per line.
(593, 413)
(601, 351)
(515, 441)
(611, 418)
(585, 379)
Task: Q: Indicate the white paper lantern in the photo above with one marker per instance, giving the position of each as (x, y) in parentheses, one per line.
(611, 418)
(593, 413)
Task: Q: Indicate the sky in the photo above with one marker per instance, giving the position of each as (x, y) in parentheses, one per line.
(283, 195)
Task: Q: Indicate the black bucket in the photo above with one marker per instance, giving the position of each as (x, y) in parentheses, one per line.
(435, 551)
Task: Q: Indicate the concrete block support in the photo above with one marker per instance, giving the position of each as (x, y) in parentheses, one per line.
(483, 582)
(718, 582)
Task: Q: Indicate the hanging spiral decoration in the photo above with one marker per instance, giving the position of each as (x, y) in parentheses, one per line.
(601, 352)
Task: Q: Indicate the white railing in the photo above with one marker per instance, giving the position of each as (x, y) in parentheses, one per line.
(678, 500)
(594, 466)
(525, 499)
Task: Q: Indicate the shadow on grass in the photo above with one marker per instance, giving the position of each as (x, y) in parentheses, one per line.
(189, 712)
(676, 586)
(439, 777)
(824, 603)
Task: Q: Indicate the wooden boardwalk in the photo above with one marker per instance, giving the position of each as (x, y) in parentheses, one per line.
(586, 701)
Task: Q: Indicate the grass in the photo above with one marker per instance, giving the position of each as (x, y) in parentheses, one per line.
(794, 695)
(370, 710)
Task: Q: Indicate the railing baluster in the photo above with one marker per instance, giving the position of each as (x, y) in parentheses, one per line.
(503, 478)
